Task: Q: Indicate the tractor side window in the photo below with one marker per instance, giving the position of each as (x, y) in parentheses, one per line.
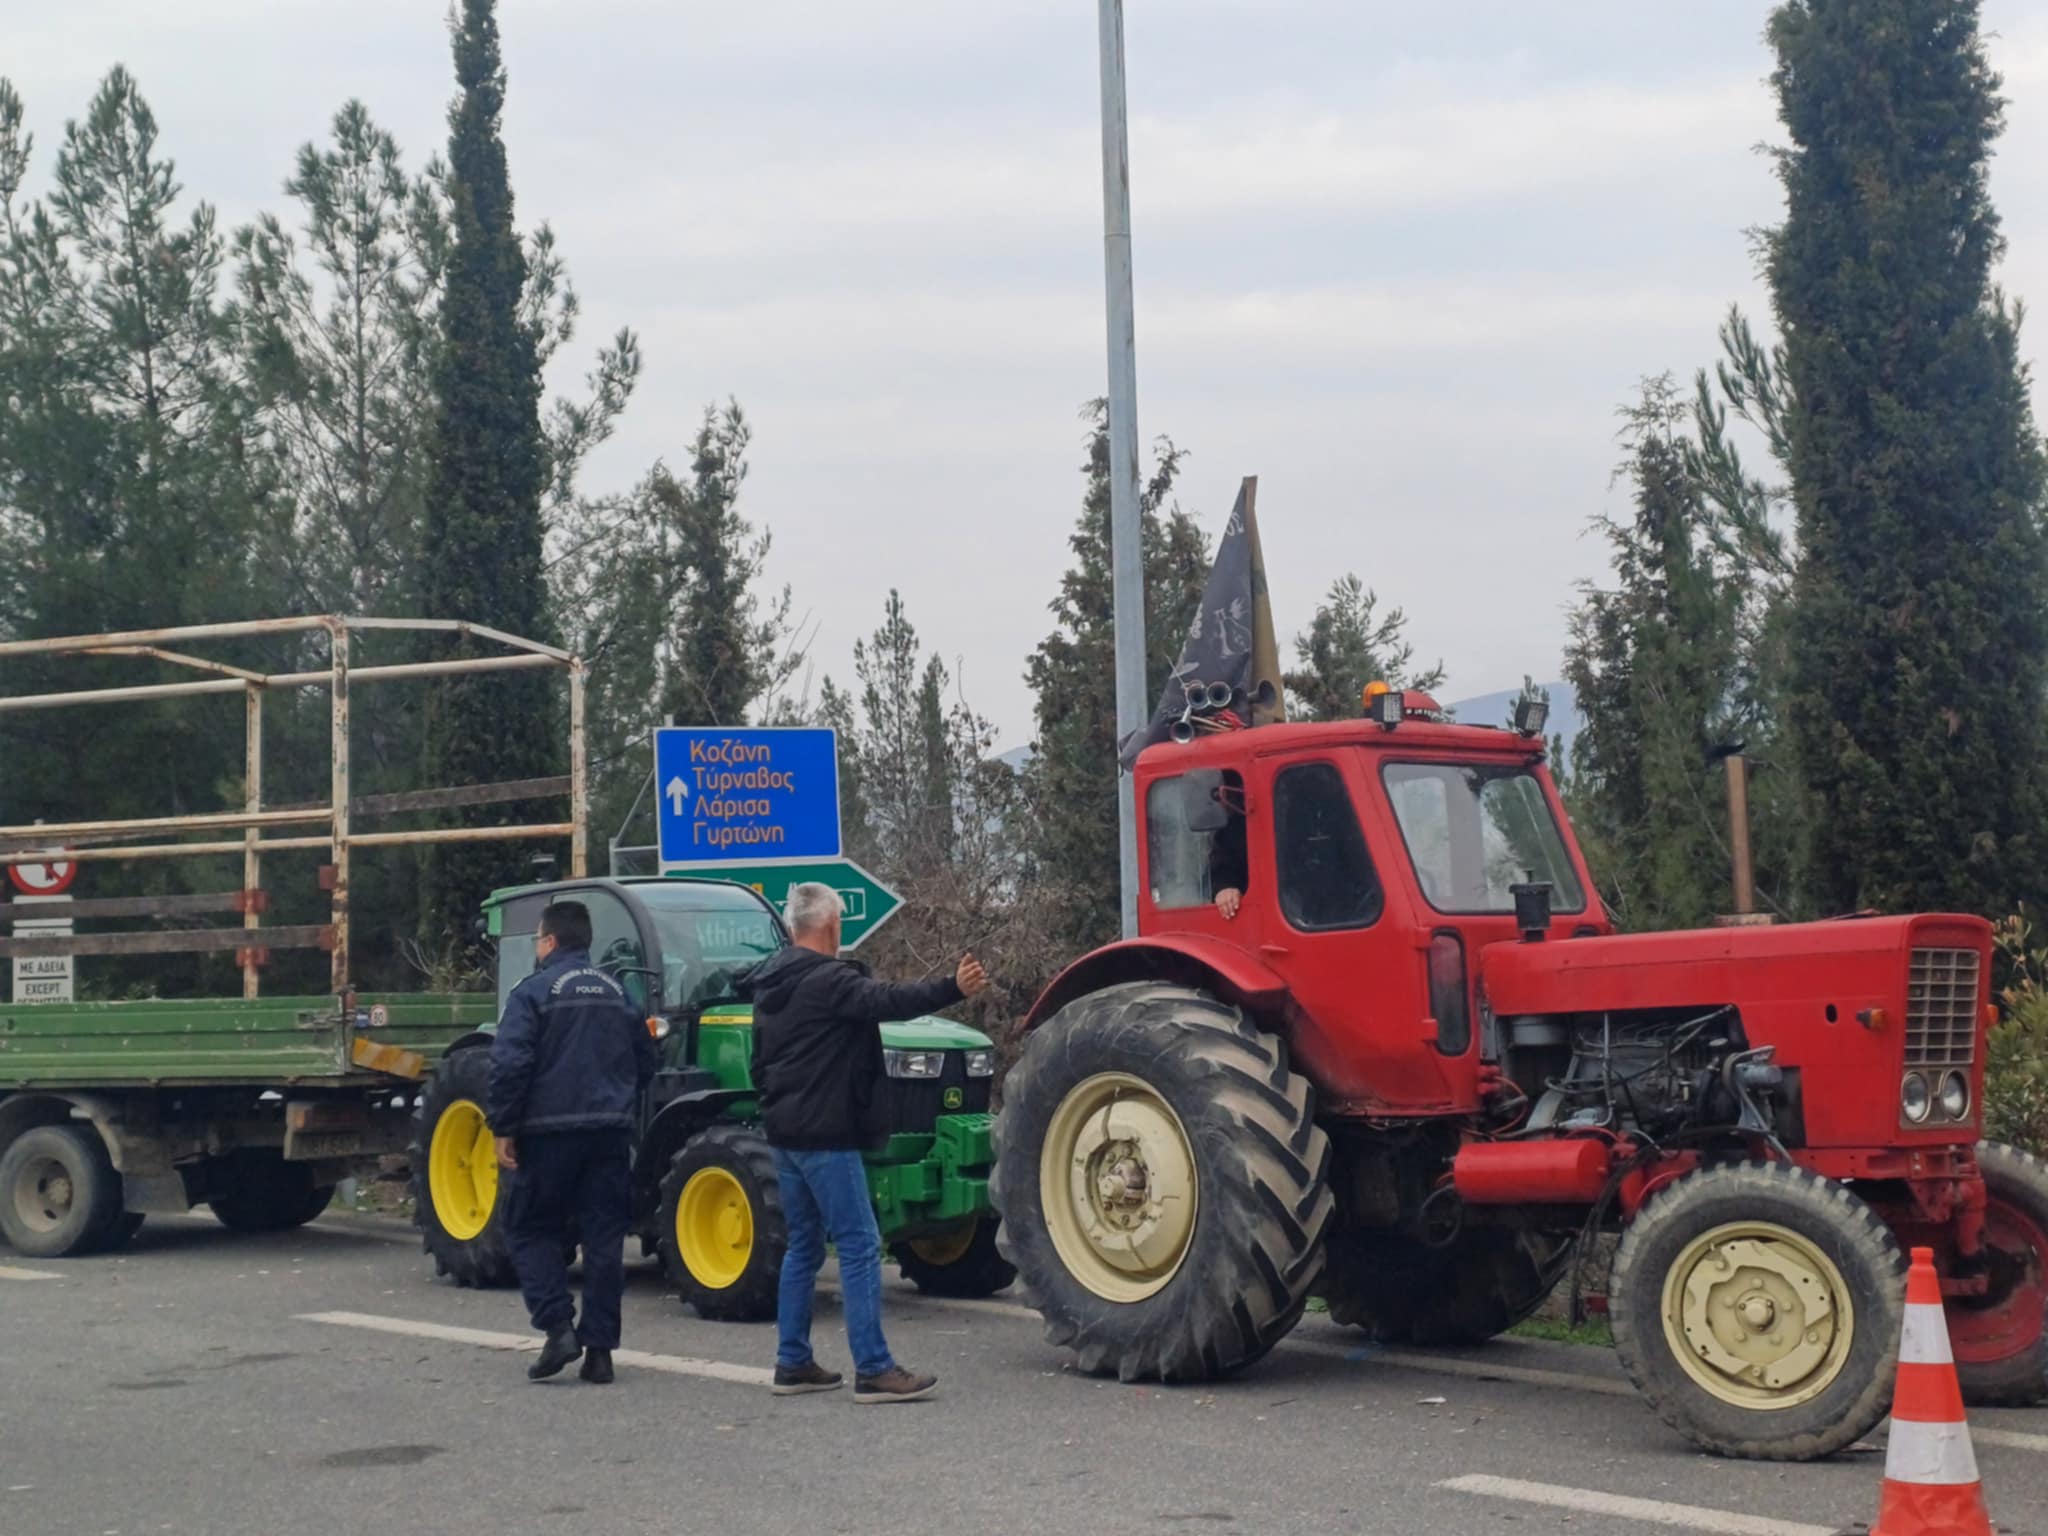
(615, 943)
(1184, 867)
(1326, 877)
(515, 945)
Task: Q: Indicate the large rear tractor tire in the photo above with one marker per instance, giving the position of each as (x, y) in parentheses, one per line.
(722, 1230)
(261, 1192)
(961, 1263)
(1162, 1183)
(1757, 1307)
(59, 1193)
(1999, 1338)
(1480, 1284)
(459, 1199)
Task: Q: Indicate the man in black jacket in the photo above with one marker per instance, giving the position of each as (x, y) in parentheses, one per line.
(568, 1065)
(818, 1068)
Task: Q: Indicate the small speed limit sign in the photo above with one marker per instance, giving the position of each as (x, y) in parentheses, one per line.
(51, 879)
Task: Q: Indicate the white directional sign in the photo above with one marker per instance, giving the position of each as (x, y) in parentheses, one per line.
(48, 978)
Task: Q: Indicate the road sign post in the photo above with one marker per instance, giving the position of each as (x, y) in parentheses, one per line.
(866, 903)
(765, 795)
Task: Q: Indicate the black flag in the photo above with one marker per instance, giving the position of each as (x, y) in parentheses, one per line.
(1228, 673)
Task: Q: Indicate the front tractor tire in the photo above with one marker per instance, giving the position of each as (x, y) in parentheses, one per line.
(459, 1200)
(1401, 1290)
(1757, 1307)
(1999, 1338)
(722, 1229)
(1162, 1183)
(962, 1263)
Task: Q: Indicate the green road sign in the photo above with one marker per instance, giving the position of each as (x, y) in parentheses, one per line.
(867, 901)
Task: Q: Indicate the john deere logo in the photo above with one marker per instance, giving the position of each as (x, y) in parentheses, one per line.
(954, 1098)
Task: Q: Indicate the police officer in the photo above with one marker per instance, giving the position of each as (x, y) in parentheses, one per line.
(567, 1067)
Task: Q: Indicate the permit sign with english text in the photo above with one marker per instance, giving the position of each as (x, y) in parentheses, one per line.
(746, 796)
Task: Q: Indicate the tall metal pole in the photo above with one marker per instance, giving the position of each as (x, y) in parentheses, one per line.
(1127, 559)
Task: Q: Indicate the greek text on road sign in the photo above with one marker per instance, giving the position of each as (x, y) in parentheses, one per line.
(746, 794)
(865, 902)
(44, 978)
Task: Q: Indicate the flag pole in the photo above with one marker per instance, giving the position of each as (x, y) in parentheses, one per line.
(1127, 561)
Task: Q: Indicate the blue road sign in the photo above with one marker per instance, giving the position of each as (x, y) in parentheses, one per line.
(746, 796)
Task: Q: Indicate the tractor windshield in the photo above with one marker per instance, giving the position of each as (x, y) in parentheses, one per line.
(709, 934)
(1474, 831)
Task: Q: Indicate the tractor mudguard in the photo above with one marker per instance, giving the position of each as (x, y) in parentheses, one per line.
(1226, 972)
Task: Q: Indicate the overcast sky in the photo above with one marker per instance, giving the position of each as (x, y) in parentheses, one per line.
(1402, 262)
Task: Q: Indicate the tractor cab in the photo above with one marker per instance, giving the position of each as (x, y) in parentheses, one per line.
(1372, 862)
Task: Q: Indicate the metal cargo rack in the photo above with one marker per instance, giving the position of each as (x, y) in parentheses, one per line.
(329, 826)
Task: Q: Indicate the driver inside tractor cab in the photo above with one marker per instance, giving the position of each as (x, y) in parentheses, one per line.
(1230, 872)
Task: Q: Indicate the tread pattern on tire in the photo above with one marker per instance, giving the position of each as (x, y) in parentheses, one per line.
(1399, 1292)
(486, 1259)
(1265, 1197)
(1639, 1341)
(2020, 1381)
(740, 1149)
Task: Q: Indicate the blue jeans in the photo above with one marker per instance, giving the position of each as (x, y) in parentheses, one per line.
(825, 1194)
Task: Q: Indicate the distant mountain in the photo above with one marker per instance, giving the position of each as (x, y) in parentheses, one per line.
(1494, 709)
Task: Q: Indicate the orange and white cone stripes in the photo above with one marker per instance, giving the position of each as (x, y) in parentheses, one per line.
(1930, 1472)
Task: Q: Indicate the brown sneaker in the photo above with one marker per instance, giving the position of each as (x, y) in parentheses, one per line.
(895, 1385)
(792, 1380)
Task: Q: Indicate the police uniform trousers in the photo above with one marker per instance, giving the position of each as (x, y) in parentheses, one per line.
(573, 1187)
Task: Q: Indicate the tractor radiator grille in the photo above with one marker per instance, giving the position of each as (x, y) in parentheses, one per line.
(1941, 1008)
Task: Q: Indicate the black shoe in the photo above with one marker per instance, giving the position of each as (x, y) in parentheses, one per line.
(559, 1352)
(790, 1380)
(597, 1367)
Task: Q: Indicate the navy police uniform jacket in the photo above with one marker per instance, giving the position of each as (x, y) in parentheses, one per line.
(572, 1053)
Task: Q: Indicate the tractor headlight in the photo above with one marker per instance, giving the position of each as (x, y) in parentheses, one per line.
(981, 1063)
(1916, 1099)
(914, 1063)
(1955, 1096)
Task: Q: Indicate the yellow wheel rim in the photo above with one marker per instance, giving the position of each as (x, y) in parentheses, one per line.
(1758, 1315)
(1117, 1183)
(714, 1228)
(946, 1247)
(462, 1171)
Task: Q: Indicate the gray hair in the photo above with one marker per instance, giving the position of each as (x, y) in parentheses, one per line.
(810, 906)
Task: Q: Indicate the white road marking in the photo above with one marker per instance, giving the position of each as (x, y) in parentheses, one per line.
(1724, 1522)
(2012, 1439)
(674, 1365)
(9, 1272)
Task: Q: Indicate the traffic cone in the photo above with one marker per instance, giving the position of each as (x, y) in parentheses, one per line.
(1930, 1472)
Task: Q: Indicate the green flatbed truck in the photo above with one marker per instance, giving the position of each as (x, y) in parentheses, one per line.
(705, 1191)
(110, 1111)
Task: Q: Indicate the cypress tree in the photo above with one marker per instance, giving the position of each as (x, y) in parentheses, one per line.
(481, 552)
(1073, 676)
(1920, 639)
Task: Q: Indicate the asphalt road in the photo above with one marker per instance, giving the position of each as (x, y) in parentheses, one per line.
(321, 1381)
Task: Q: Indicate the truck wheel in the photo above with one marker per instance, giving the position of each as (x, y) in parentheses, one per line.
(59, 1194)
(456, 1192)
(963, 1262)
(1402, 1291)
(722, 1231)
(264, 1193)
(1757, 1308)
(1161, 1182)
(2000, 1343)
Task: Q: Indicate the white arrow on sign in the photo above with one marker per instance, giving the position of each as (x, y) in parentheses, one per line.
(677, 792)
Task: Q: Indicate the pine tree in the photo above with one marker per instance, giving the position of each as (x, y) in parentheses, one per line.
(481, 552)
(1920, 622)
(1348, 644)
(1073, 789)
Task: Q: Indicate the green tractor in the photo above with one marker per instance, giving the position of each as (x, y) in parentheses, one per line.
(705, 1194)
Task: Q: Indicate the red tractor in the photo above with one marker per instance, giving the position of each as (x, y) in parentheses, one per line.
(1414, 1068)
